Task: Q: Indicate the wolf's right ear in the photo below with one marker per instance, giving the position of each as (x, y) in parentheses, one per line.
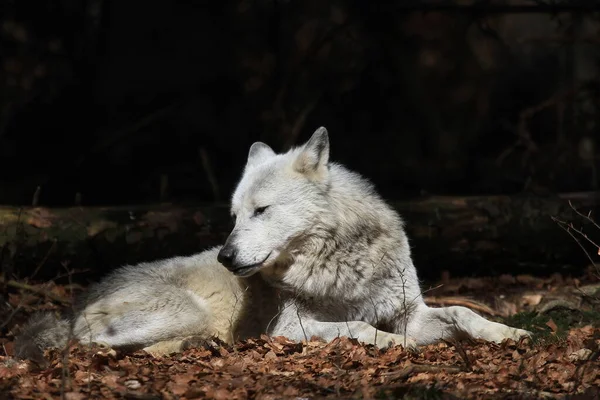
(312, 160)
(258, 153)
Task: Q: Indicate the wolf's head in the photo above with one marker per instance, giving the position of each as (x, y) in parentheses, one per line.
(280, 198)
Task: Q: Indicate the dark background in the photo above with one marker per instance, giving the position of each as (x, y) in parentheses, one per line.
(123, 102)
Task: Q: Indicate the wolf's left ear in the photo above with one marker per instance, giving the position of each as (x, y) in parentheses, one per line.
(314, 157)
(258, 153)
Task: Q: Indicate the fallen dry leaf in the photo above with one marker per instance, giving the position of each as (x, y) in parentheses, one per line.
(552, 325)
(532, 299)
(580, 355)
(276, 367)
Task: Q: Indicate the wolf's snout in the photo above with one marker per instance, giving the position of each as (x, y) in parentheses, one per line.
(226, 256)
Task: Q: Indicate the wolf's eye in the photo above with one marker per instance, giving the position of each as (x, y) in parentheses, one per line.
(233, 218)
(259, 210)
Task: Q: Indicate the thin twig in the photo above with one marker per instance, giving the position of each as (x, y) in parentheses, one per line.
(14, 312)
(232, 319)
(588, 216)
(571, 227)
(560, 224)
(462, 352)
(431, 289)
(41, 263)
(302, 326)
(36, 290)
(405, 310)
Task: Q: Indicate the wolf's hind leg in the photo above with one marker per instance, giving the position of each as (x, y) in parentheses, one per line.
(136, 324)
(141, 329)
(167, 347)
(429, 325)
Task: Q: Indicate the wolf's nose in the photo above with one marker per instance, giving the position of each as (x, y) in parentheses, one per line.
(226, 256)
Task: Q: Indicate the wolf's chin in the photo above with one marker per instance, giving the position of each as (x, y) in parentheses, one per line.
(249, 270)
(245, 272)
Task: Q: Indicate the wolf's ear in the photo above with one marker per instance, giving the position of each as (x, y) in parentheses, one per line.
(314, 156)
(258, 153)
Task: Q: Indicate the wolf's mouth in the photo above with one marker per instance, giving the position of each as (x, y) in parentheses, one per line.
(248, 270)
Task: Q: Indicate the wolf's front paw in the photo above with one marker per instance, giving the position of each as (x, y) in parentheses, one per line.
(520, 333)
(104, 348)
(386, 340)
(511, 333)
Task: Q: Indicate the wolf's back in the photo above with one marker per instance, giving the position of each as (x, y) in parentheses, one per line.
(44, 330)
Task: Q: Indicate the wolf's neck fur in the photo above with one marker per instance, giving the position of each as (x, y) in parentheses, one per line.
(343, 250)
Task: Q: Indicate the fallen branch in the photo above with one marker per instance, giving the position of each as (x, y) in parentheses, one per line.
(36, 290)
(460, 232)
(461, 301)
(419, 368)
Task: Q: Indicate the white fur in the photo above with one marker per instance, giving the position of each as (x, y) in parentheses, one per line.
(314, 252)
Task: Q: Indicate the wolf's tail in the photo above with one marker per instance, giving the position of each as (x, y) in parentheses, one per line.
(44, 330)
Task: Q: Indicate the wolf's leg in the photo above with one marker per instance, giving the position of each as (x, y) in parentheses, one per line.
(177, 345)
(360, 330)
(124, 321)
(296, 327)
(429, 325)
(141, 328)
(165, 347)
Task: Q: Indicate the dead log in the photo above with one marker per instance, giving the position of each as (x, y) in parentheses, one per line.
(463, 235)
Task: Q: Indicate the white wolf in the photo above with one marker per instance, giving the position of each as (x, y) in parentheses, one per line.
(314, 252)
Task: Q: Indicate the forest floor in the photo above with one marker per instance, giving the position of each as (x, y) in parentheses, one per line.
(561, 361)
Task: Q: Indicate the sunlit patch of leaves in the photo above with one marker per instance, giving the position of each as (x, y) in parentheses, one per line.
(554, 325)
(565, 362)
